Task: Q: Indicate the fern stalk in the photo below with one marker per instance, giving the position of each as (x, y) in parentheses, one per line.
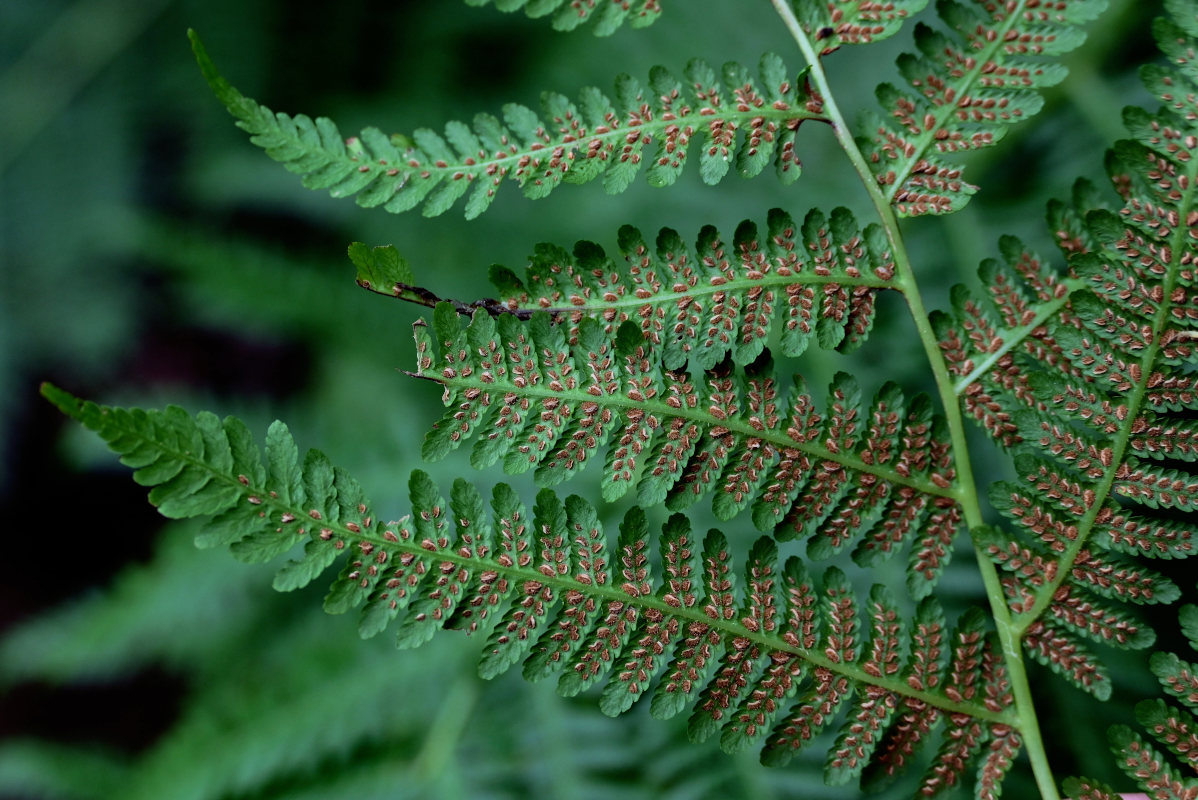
(966, 488)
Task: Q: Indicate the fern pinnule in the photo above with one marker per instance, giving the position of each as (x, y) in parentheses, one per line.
(728, 116)
(608, 15)
(552, 595)
(966, 86)
(1171, 726)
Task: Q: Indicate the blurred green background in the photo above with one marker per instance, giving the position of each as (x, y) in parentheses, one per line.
(149, 254)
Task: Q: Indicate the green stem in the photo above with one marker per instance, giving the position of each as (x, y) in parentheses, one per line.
(968, 495)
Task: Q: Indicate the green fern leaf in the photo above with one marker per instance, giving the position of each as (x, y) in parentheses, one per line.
(738, 120)
(1085, 377)
(608, 15)
(702, 303)
(968, 84)
(1171, 726)
(570, 607)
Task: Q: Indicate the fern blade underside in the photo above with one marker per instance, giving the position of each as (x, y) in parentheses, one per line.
(1171, 726)
(966, 86)
(1149, 246)
(545, 590)
(1089, 380)
(873, 478)
(659, 367)
(815, 282)
(729, 117)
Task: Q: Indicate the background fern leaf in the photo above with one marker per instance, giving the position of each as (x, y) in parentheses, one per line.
(968, 84)
(738, 120)
(608, 15)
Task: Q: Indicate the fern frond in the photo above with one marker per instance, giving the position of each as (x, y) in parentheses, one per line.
(728, 116)
(834, 23)
(967, 85)
(699, 304)
(608, 15)
(877, 476)
(1085, 377)
(787, 649)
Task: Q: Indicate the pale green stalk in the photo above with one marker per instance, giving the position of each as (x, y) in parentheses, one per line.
(967, 493)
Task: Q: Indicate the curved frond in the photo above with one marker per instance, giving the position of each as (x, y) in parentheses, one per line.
(699, 304)
(1089, 378)
(966, 85)
(727, 116)
(771, 662)
(873, 476)
(608, 15)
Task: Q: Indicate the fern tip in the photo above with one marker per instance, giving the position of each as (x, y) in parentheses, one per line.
(64, 401)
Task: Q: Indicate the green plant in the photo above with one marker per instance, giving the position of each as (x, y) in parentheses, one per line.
(671, 360)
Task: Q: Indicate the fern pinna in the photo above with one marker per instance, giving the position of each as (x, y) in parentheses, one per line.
(543, 591)
(660, 362)
(579, 143)
(1172, 727)
(1088, 380)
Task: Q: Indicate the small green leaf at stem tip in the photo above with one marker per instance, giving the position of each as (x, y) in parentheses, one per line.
(380, 268)
(65, 402)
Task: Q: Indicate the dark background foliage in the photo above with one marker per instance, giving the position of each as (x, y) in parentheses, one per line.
(151, 255)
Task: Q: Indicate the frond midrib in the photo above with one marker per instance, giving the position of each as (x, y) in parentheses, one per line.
(626, 302)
